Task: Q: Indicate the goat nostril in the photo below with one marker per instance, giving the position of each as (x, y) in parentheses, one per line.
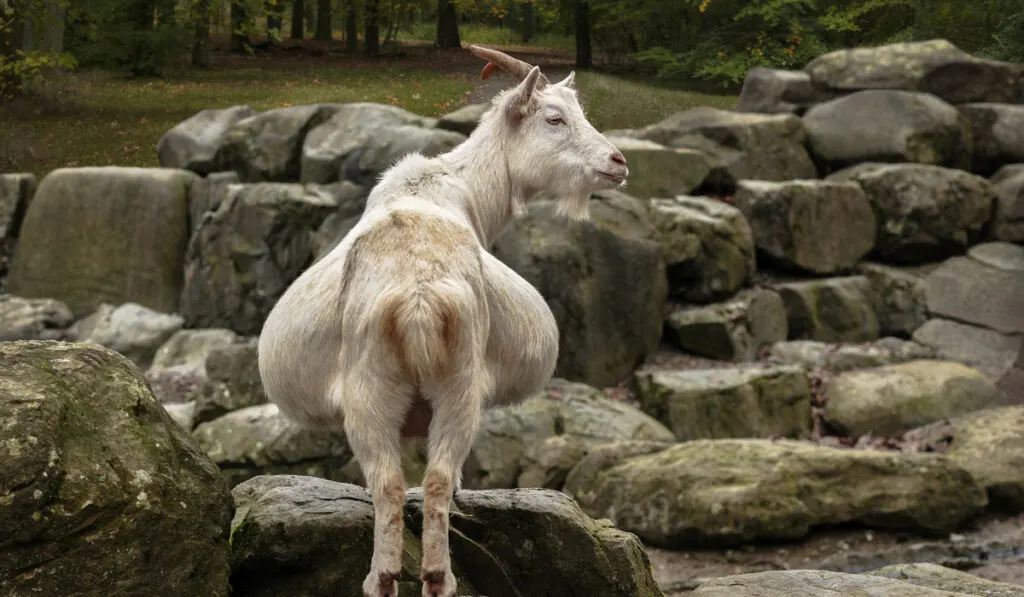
(618, 158)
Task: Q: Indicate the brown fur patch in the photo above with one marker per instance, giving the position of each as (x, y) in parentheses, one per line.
(434, 577)
(392, 332)
(417, 418)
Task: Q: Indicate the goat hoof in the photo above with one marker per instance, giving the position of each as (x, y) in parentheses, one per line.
(381, 584)
(438, 583)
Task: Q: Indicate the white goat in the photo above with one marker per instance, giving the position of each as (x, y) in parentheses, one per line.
(411, 327)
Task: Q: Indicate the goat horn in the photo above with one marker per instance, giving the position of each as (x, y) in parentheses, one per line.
(513, 66)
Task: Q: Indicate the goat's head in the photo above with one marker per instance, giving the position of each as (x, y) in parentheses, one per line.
(553, 146)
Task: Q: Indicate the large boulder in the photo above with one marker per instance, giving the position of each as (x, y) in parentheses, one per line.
(823, 583)
(770, 146)
(246, 254)
(290, 534)
(259, 440)
(830, 309)
(934, 576)
(464, 120)
(776, 91)
(836, 358)
(105, 235)
(901, 302)
(513, 449)
(734, 330)
(361, 140)
(130, 329)
(814, 226)
(16, 191)
(750, 401)
(990, 444)
(179, 365)
(267, 147)
(33, 319)
(351, 204)
(986, 350)
(924, 212)
(971, 291)
(997, 135)
(905, 126)
(659, 171)
(733, 491)
(707, 246)
(233, 381)
(897, 398)
(194, 143)
(1008, 219)
(934, 66)
(207, 194)
(100, 492)
(604, 280)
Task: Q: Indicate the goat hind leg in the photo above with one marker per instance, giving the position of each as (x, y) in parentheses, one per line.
(452, 431)
(373, 430)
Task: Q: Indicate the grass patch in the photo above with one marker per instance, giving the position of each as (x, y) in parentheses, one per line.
(99, 119)
(484, 34)
(615, 102)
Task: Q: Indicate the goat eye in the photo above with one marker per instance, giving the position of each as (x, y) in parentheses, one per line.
(555, 120)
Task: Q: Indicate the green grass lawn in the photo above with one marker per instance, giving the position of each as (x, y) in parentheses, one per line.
(96, 119)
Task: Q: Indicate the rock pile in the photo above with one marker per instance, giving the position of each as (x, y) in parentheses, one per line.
(777, 286)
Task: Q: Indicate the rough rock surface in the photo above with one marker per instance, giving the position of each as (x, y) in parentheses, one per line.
(130, 329)
(707, 245)
(934, 66)
(986, 350)
(604, 280)
(750, 401)
(733, 330)
(901, 301)
(464, 120)
(267, 147)
(923, 211)
(893, 399)
(969, 291)
(815, 583)
(97, 481)
(814, 226)
(997, 135)
(361, 140)
(233, 381)
(733, 491)
(33, 319)
(179, 365)
(659, 171)
(508, 450)
(194, 144)
(776, 91)
(351, 204)
(906, 126)
(245, 254)
(990, 445)
(770, 146)
(143, 216)
(16, 191)
(259, 440)
(948, 579)
(288, 533)
(837, 358)
(831, 309)
(1008, 219)
(207, 194)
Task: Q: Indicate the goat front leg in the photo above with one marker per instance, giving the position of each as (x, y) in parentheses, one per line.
(373, 428)
(454, 426)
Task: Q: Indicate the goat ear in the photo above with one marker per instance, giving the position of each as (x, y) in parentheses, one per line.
(520, 101)
(569, 81)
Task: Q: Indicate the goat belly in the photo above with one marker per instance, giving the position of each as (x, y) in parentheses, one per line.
(417, 418)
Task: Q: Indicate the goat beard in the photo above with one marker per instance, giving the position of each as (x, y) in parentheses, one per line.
(575, 207)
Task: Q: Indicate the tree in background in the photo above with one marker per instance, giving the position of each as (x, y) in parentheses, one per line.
(447, 25)
(581, 18)
(297, 19)
(323, 21)
(352, 26)
(371, 27)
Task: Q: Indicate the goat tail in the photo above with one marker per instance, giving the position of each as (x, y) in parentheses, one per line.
(423, 328)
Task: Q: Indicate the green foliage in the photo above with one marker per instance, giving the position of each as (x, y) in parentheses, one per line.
(22, 69)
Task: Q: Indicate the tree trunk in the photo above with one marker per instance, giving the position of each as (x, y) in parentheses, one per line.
(323, 20)
(297, 17)
(201, 35)
(352, 27)
(239, 20)
(584, 57)
(371, 35)
(275, 20)
(310, 12)
(447, 25)
(527, 22)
